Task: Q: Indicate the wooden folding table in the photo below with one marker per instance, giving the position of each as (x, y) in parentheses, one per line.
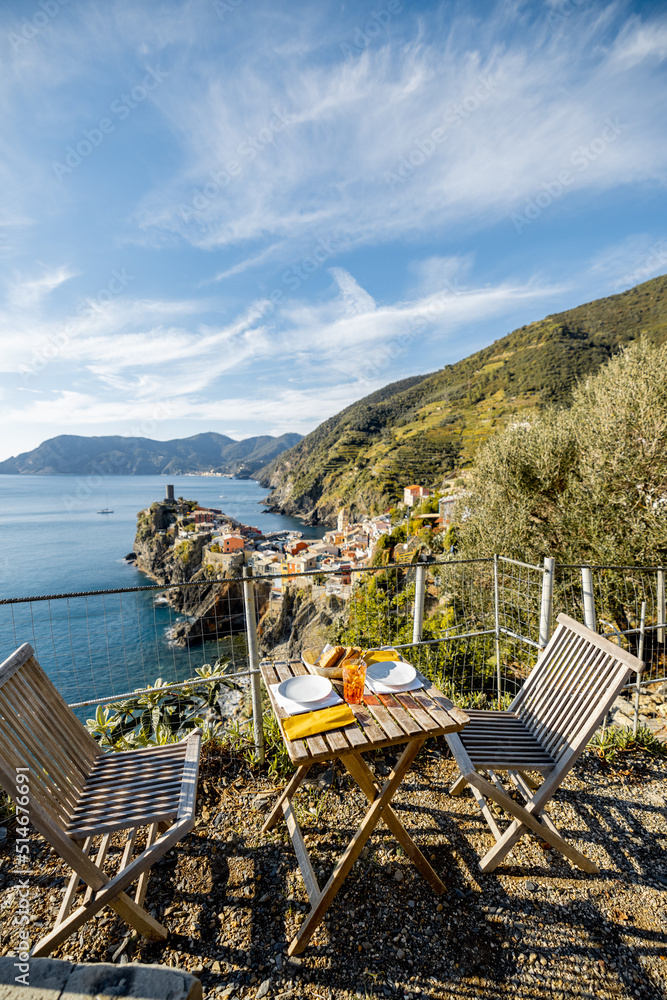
(382, 721)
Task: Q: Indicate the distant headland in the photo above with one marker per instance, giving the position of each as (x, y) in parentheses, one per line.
(114, 455)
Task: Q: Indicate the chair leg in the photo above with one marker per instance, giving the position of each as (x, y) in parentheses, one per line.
(458, 785)
(525, 818)
(142, 884)
(124, 907)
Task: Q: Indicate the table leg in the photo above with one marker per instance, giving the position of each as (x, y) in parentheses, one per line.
(364, 777)
(354, 849)
(286, 794)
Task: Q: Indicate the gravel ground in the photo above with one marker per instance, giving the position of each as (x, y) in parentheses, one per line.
(536, 927)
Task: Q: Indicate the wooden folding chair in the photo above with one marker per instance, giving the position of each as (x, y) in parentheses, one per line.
(78, 793)
(561, 704)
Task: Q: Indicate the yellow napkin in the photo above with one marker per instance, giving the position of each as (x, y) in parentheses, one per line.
(309, 723)
(381, 655)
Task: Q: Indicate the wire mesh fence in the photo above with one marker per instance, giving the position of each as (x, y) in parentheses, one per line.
(459, 621)
(475, 627)
(129, 660)
(609, 599)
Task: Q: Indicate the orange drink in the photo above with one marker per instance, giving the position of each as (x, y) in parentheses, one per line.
(354, 678)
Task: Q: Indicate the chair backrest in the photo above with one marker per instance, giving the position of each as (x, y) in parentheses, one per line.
(572, 687)
(38, 731)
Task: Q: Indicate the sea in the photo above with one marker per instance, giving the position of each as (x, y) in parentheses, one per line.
(54, 541)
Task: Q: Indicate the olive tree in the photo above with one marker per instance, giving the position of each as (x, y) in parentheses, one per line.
(584, 484)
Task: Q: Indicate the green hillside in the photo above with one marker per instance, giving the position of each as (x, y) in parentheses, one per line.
(420, 429)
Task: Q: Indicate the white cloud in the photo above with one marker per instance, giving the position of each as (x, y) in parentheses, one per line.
(338, 350)
(511, 117)
(635, 259)
(26, 293)
(269, 139)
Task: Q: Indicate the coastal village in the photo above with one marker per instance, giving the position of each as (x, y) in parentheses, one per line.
(289, 559)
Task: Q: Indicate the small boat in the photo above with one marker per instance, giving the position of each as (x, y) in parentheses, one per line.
(105, 510)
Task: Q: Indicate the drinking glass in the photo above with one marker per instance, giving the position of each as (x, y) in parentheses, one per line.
(354, 678)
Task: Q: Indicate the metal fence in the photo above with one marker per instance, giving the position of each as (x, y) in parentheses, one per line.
(626, 603)
(474, 626)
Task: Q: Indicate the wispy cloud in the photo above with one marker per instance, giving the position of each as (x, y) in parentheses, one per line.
(348, 125)
(322, 346)
(303, 218)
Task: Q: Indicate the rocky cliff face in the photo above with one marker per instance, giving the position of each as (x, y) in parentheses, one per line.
(302, 621)
(213, 608)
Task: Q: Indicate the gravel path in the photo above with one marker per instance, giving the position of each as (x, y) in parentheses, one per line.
(537, 927)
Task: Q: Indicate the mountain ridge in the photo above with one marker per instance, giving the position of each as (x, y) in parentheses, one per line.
(75, 454)
(361, 457)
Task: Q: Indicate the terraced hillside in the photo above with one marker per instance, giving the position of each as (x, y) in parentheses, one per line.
(420, 429)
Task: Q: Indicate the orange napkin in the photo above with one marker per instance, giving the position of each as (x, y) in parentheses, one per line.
(310, 723)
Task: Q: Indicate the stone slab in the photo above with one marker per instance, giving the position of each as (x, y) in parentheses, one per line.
(50, 979)
(47, 978)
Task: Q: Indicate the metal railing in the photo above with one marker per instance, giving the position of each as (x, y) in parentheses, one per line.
(475, 626)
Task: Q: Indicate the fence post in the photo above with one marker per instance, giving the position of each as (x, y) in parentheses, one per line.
(547, 605)
(253, 660)
(420, 590)
(640, 655)
(661, 606)
(590, 620)
(496, 593)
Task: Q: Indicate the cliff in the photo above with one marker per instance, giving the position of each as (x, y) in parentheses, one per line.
(301, 621)
(214, 608)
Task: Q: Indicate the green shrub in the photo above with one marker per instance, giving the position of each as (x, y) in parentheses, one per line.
(611, 742)
(163, 716)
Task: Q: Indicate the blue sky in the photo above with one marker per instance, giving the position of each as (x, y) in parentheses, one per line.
(241, 216)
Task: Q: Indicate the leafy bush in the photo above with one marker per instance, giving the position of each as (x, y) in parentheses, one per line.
(585, 484)
(163, 716)
(611, 742)
(240, 739)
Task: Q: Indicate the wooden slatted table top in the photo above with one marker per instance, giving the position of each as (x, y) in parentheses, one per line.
(381, 721)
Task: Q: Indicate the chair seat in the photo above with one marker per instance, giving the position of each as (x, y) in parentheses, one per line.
(500, 740)
(561, 703)
(125, 790)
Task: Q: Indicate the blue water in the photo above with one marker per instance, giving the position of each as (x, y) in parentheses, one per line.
(53, 541)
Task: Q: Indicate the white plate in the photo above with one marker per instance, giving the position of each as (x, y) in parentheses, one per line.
(306, 688)
(391, 672)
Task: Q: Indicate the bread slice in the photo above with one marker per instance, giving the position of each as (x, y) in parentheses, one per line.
(351, 653)
(331, 657)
